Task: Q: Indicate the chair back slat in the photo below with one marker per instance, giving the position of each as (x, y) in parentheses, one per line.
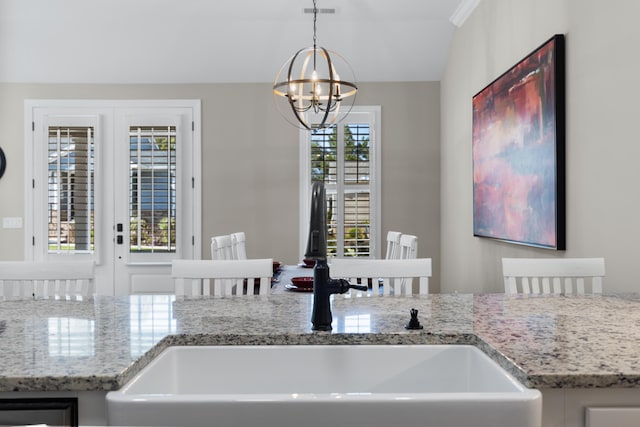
(238, 245)
(393, 245)
(546, 285)
(596, 284)
(423, 287)
(394, 277)
(221, 247)
(557, 275)
(408, 249)
(408, 246)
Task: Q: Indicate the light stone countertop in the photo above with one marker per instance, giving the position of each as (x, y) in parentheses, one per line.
(544, 341)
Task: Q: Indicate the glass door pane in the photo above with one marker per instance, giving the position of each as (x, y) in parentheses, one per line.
(70, 189)
(152, 189)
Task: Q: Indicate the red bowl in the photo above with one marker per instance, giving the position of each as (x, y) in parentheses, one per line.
(309, 262)
(302, 282)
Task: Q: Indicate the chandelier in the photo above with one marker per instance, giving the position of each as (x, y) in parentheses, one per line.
(309, 85)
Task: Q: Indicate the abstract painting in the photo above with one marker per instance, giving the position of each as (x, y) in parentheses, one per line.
(518, 152)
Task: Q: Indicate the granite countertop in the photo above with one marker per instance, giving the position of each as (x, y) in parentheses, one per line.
(544, 341)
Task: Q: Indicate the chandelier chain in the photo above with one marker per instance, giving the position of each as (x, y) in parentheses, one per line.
(315, 18)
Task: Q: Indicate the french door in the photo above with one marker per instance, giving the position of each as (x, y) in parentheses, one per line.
(117, 182)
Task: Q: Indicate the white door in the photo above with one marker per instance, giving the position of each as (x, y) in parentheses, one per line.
(118, 182)
(153, 222)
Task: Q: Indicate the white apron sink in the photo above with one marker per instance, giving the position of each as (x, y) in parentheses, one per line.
(324, 385)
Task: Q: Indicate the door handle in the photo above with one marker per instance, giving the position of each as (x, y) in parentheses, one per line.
(119, 229)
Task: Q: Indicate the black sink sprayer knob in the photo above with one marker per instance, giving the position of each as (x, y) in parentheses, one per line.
(414, 323)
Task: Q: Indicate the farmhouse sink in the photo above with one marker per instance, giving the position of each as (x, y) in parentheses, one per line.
(324, 385)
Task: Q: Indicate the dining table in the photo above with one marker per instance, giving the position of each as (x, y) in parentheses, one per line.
(282, 278)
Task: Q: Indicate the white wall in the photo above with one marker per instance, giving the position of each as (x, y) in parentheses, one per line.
(250, 160)
(602, 145)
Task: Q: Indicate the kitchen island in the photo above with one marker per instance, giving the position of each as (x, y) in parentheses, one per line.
(552, 343)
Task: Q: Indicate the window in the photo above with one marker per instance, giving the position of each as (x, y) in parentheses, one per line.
(345, 158)
(70, 159)
(152, 192)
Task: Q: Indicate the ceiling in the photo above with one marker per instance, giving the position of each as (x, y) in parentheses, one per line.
(213, 41)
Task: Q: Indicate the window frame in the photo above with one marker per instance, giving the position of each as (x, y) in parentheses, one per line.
(372, 115)
(37, 179)
(61, 185)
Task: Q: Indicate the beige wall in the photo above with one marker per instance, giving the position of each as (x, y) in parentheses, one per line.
(602, 144)
(250, 160)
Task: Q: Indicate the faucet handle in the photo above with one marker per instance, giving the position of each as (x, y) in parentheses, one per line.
(342, 286)
(358, 287)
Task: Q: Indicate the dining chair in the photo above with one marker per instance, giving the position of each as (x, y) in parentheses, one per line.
(60, 280)
(386, 276)
(218, 278)
(408, 246)
(393, 245)
(555, 275)
(221, 247)
(238, 245)
(408, 249)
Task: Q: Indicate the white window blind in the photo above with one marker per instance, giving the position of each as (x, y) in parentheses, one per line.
(152, 192)
(70, 189)
(341, 159)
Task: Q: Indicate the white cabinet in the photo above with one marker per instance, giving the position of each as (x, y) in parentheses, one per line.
(612, 416)
(573, 407)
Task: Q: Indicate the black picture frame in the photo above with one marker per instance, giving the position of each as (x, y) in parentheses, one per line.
(3, 163)
(518, 143)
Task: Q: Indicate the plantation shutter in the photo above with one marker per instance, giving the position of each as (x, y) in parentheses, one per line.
(70, 190)
(341, 159)
(152, 193)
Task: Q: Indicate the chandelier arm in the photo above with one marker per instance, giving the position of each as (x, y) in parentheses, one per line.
(330, 64)
(301, 119)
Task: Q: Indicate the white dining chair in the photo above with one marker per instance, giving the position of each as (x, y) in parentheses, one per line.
(553, 275)
(220, 278)
(408, 246)
(221, 247)
(386, 276)
(61, 280)
(393, 245)
(238, 245)
(407, 249)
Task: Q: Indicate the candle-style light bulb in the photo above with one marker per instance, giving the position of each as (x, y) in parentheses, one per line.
(336, 87)
(292, 90)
